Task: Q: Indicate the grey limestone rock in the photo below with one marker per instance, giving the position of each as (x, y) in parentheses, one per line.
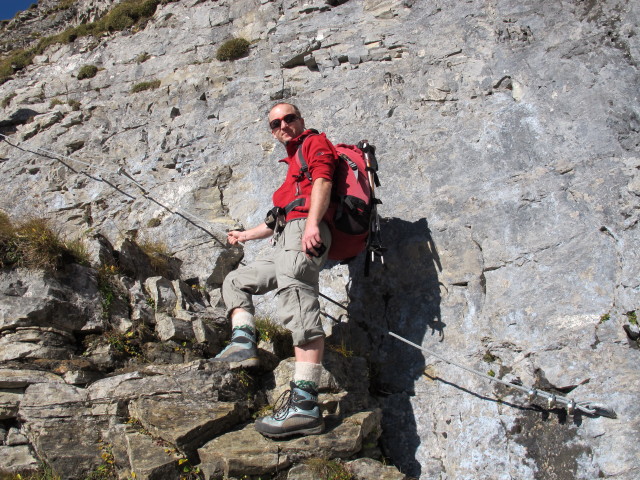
(508, 142)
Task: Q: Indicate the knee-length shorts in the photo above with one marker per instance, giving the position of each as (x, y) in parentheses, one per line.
(293, 275)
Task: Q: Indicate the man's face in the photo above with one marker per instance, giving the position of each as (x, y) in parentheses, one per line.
(286, 130)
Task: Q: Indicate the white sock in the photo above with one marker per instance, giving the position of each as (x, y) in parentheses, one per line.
(308, 372)
(242, 319)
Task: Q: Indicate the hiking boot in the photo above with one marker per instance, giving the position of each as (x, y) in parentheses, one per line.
(296, 413)
(242, 350)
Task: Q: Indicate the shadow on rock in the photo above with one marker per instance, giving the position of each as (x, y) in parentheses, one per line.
(400, 296)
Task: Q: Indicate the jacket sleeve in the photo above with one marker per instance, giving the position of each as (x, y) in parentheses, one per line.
(321, 157)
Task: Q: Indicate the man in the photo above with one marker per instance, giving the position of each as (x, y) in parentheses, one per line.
(301, 244)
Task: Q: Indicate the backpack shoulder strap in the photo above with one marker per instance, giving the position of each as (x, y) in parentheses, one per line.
(304, 167)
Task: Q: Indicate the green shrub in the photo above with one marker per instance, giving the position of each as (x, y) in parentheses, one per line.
(87, 71)
(154, 222)
(233, 49)
(141, 87)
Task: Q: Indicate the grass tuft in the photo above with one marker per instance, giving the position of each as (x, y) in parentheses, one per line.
(34, 244)
(142, 86)
(324, 469)
(270, 331)
(45, 472)
(158, 254)
(87, 71)
(233, 49)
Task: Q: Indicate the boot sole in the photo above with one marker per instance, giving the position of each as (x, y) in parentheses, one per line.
(248, 363)
(307, 431)
(252, 362)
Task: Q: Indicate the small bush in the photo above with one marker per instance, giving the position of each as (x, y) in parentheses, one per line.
(127, 344)
(233, 49)
(141, 87)
(107, 288)
(154, 222)
(87, 71)
(55, 102)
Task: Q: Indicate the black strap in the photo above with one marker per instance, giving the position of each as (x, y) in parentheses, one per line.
(304, 168)
(298, 202)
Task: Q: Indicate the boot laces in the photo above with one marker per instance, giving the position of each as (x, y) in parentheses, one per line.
(282, 406)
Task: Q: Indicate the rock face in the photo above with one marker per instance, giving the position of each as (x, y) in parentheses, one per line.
(508, 139)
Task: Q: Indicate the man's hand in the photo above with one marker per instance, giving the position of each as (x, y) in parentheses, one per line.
(311, 239)
(256, 233)
(236, 236)
(320, 197)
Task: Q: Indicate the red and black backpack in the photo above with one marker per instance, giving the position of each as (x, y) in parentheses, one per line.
(355, 225)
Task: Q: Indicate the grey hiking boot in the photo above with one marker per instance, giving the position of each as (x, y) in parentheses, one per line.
(242, 350)
(296, 413)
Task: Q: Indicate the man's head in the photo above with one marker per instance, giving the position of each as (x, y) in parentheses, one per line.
(285, 122)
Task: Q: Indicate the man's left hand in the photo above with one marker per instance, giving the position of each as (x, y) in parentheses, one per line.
(311, 239)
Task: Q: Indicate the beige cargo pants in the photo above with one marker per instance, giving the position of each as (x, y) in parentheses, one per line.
(292, 274)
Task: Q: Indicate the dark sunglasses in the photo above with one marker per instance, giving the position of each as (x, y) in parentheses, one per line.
(276, 122)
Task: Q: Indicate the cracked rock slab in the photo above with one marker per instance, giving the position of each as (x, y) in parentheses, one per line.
(247, 452)
(186, 424)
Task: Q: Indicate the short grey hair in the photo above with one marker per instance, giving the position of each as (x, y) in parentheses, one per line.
(295, 108)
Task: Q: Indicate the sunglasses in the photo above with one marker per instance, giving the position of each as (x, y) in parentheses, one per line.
(277, 122)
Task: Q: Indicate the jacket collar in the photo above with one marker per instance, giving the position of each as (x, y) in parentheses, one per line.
(293, 144)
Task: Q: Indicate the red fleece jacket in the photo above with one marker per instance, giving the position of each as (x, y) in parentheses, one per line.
(321, 157)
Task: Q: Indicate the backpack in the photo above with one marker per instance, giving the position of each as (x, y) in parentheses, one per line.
(355, 225)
